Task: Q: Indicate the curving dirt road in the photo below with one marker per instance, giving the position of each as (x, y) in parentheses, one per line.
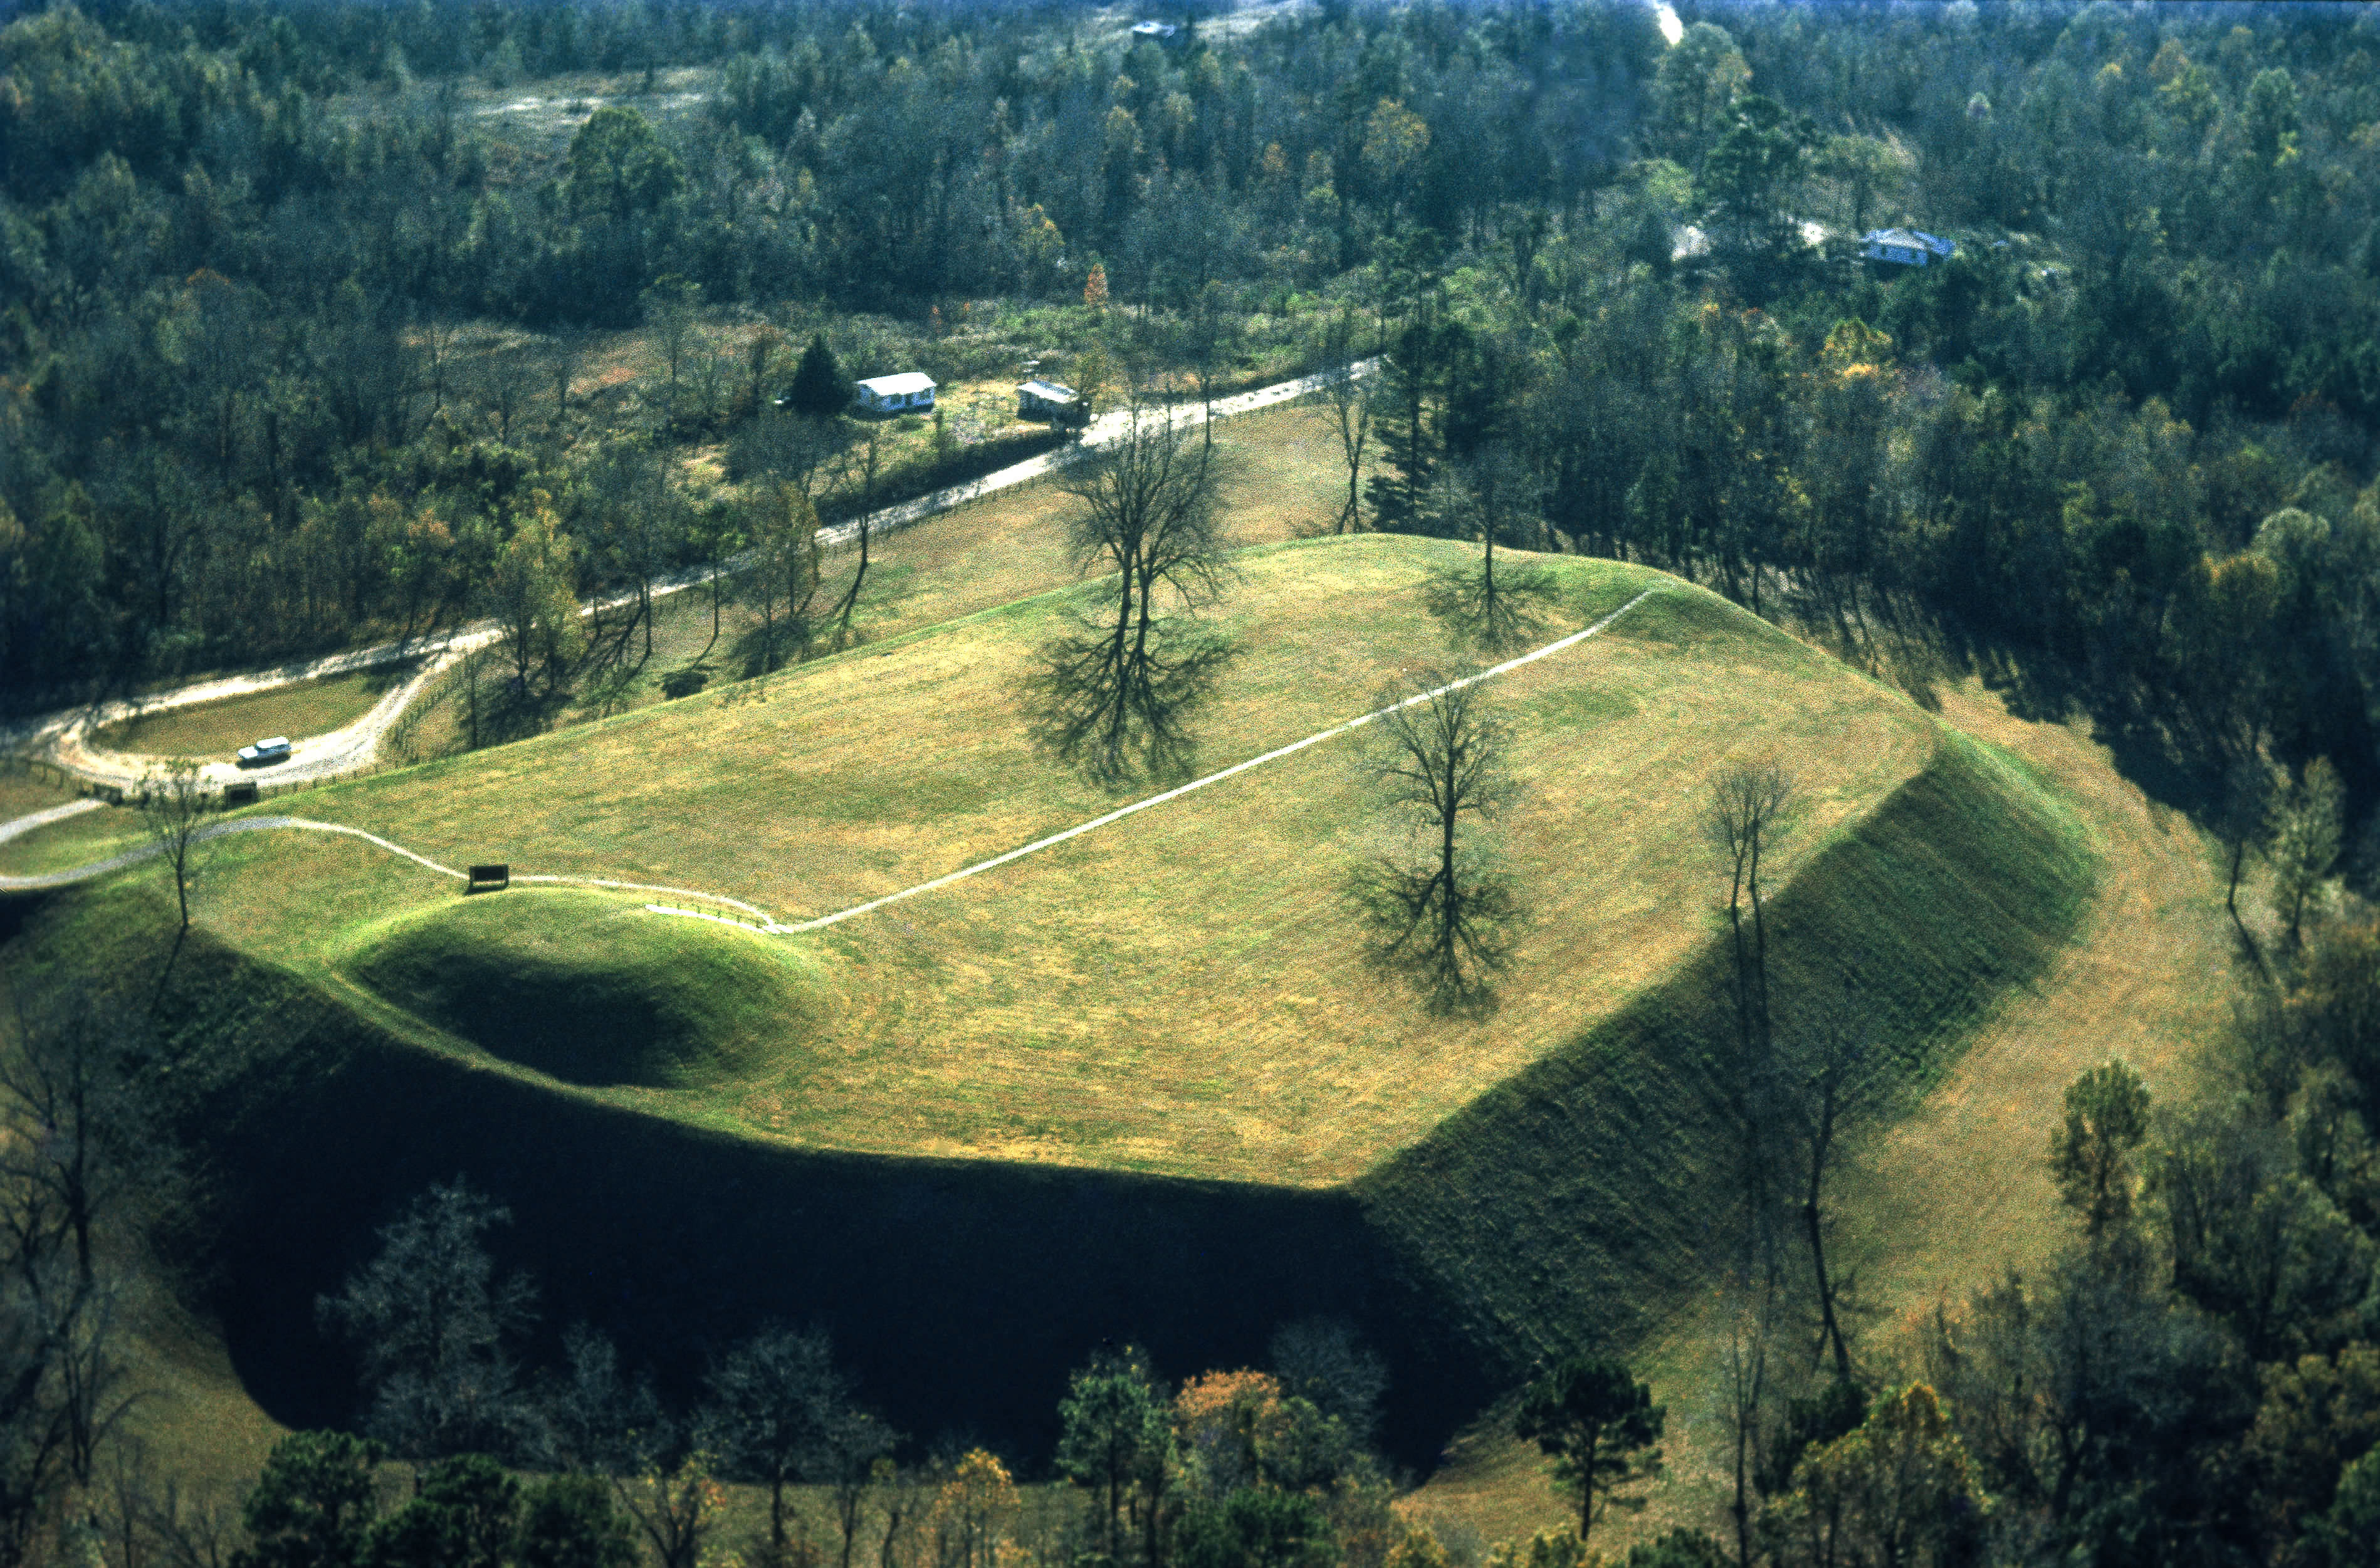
(63, 739)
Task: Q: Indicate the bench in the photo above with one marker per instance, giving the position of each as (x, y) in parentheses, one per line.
(494, 879)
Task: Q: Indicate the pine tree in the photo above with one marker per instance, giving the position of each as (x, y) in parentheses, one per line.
(818, 390)
(1400, 410)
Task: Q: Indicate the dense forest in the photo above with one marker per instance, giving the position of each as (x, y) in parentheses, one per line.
(290, 318)
(2128, 424)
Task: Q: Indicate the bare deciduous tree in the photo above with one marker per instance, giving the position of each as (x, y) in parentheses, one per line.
(1829, 1071)
(76, 1150)
(1487, 498)
(561, 353)
(1441, 916)
(1747, 812)
(431, 1319)
(172, 808)
(1113, 696)
(778, 1405)
(505, 379)
(781, 529)
(1752, 1324)
(864, 461)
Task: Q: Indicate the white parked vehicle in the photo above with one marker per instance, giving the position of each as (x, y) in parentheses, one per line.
(265, 753)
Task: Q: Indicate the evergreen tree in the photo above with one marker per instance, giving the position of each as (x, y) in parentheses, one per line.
(820, 389)
(1400, 409)
(1599, 1426)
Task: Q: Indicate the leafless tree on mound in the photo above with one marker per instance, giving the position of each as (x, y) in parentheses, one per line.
(1440, 917)
(1749, 808)
(1113, 696)
(172, 809)
(1351, 414)
(1488, 499)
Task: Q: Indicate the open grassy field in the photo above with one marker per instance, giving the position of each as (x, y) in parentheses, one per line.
(212, 731)
(1281, 476)
(22, 794)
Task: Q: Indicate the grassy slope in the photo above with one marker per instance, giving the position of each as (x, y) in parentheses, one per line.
(21, 795)
(589, 989)
(1572, 1207)
(1181, 991)
(1932, 1204)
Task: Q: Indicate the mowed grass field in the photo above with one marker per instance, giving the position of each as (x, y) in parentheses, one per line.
(214, 731)
(1181, 991)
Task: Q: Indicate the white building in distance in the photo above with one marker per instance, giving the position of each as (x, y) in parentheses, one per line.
(906, 392)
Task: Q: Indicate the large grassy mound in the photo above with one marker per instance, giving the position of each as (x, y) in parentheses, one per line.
(1138, 1086)
(1182, 993)
(590, 991)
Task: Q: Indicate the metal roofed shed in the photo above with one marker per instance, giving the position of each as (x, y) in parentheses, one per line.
(1054, 401)
(908, 390)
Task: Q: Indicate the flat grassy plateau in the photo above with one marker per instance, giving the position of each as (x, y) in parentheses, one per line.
(214, 731)
(1180, 993)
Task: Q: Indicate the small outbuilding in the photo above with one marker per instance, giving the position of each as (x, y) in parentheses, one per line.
(1905, 247)
(1156, 32)
(1050, 400)
(910, 392)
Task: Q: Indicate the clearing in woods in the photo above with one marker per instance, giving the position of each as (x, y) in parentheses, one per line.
(212, 731)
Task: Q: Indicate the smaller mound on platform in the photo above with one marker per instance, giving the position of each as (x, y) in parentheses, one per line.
(592, 991)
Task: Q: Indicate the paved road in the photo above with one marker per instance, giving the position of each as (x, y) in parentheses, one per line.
(63, 739)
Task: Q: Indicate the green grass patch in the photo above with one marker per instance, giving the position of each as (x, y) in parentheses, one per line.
(594, 991)
(214, 731)
(73, 841)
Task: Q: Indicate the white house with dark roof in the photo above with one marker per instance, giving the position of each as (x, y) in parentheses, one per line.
(907, 393)
(1906, 246)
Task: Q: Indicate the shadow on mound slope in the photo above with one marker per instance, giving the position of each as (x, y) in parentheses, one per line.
(1574, 1204)
(1566, 1207)
(592, 991)
(961, 1293)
